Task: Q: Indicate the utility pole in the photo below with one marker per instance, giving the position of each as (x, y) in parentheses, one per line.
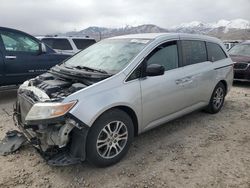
(100, 35)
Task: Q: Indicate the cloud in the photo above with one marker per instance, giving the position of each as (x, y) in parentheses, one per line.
(51, 16)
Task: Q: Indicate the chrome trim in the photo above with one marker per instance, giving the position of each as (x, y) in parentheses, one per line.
(242, 80)
(10, 57)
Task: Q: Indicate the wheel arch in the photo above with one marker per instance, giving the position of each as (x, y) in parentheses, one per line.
(133, 116)
(127, 110)
(225, 84)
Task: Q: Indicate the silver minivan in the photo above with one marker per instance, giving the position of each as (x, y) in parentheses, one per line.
(93, 105)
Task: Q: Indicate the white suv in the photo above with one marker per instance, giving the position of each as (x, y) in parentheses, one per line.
(67, 45)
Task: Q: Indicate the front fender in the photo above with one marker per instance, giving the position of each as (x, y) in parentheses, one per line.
(96, 100)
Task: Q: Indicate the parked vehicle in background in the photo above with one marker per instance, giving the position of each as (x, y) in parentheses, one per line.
(230, 43)
(22, 57)
(240, 54)
(67, 45)
(91, 106)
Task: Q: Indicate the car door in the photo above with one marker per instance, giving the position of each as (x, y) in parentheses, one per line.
(164, 95)
(24, 58)
(197, 71)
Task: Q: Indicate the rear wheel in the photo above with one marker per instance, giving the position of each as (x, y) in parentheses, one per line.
(217, 99)
(109, 138)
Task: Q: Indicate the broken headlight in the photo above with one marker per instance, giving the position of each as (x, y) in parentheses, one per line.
(49, 110)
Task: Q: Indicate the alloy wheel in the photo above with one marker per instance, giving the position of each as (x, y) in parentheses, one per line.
(112, 139)
(218, 98)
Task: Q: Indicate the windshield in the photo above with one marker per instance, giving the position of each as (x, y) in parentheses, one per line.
(110, 55)
(241, 49)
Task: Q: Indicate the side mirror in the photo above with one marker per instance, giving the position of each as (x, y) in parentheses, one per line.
(43, 48)
(155, 70)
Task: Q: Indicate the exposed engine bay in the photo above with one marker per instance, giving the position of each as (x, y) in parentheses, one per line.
(56, 87)
(56, 138)
(60, 81)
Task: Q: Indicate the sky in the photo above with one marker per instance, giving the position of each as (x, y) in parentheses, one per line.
(52, 16)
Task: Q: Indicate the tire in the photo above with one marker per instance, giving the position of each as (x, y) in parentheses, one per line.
(114, 132)
(217, 99)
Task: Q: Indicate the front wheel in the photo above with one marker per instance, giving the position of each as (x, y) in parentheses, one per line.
(217, 99)
(109, 138)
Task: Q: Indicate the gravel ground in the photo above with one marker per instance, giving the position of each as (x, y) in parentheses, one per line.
(198, 150)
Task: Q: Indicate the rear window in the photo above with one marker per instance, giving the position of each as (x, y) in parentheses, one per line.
(83, 43)
(58, 44)
(193, 52)
(215, 52)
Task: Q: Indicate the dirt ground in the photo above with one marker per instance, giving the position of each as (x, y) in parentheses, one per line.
(198, 150)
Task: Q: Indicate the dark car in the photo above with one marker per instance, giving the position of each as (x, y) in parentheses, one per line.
(22, 57)
(240, 54)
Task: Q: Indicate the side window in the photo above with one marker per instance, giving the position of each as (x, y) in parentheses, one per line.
(135, 74)
(62, 44)
(58, 44)
(165, 54)
(19, 42)
(48, 41)
(83, 43)
(193, 52)
(215, 52)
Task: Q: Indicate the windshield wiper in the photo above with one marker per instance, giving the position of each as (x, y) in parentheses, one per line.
(90, 69)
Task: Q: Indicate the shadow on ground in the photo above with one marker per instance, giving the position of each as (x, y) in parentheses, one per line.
(7, 95)
(241, 84)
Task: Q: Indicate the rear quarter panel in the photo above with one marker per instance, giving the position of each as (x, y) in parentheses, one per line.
(224, 71)
(224, 68)
(211, 74)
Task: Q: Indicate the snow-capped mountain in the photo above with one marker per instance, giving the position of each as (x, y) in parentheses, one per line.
(188, 25)
(224, 29)
(233, 24)
(224, 25)
(101, 32)
(236, 24)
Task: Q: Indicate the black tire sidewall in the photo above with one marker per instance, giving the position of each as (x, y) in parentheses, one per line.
(112, 115)
(212, 109)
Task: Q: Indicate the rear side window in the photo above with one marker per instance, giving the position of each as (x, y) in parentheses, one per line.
(58, 44)
(165, 55)
(83, 43)
(215, 52)
(193, 52)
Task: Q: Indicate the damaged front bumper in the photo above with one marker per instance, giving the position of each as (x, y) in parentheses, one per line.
(12, 141)
(60, 141)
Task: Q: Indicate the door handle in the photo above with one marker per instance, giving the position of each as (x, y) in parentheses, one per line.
(10, 57)
(184, 81)
(178, 81)
(187, 81)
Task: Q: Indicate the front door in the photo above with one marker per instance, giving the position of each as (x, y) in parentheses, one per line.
(22, 57)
